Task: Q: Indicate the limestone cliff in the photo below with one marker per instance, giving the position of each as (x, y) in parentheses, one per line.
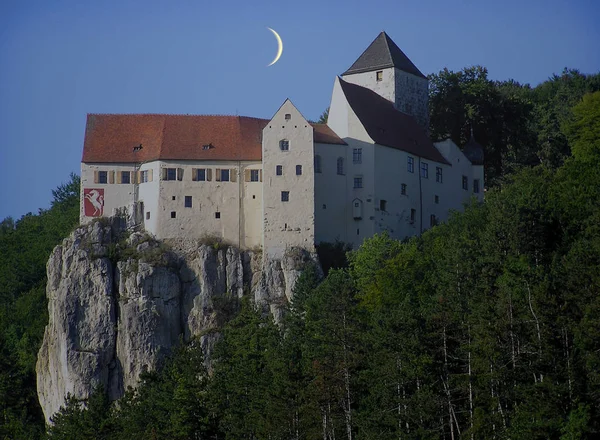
(119, 302)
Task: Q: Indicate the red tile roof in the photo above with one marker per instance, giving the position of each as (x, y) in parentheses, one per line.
(111, 138)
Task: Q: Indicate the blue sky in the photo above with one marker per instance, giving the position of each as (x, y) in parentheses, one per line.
(60, 60)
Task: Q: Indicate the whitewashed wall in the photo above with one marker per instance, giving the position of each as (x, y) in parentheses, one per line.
(288, 224)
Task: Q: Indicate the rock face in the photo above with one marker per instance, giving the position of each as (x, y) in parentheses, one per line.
(118, 303)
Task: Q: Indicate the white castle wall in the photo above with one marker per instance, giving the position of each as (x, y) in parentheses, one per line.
(292, 223)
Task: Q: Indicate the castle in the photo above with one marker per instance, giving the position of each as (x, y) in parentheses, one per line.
(287, 182)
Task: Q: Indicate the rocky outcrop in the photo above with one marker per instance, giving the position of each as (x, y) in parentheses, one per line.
(118, 303)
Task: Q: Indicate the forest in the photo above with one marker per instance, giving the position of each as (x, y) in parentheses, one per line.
(487, 326)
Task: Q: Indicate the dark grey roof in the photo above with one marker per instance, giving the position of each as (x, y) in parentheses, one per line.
(473, 151)
(388, 126)
(381, 54)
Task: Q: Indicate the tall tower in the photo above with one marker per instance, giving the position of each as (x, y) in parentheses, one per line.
(386, 70)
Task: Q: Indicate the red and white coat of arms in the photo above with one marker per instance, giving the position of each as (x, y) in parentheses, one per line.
(93, 202)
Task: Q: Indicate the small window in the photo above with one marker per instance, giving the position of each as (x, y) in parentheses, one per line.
(298, 170)
(437, 199)
(357, 155)
(188, 201)
(476, 185)
(358, 182)
(225, 175)
(424, 170)
(438, 174)
(432, 220)
(411, 164)
(413, 214)
(148, 215)
(383, 205)
(324, 206)
(356, 204)
(125, 177)
(173, 214)
(279, 170)
(144, 176)
(173, 198)
(207, 146)
(340, 166)
(102, 176)
(217, 214)
(317, 164)
(358, 232)
(379, 75)
(285, 196)
(171, 174)
(253, 175)
(284, 145)
(465, 183)
(253, 196)
(403, 189)
(201, 174)
(288, 116)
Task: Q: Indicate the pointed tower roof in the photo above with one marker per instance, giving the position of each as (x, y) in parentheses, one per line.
(381, 54)
(473, 151)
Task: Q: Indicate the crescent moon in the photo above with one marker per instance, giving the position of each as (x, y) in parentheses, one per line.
(279, 47)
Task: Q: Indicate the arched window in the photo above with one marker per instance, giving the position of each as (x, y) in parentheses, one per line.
(340, 166)
(317, 164)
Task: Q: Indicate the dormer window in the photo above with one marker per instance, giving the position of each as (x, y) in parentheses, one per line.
(379, 75)
(284, 145)
(207, 146)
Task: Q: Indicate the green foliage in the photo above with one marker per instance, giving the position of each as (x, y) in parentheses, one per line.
(517, 125)
(583, 130)
(26, 245)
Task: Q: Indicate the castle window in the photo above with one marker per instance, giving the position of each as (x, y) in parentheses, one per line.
(224, 175)
(424, 170)
(357, 155)
(288, 116)
(173, 214)
(413, 214)
(253, 175)
(432, 220)
(148, 215)
(403, 189)
(383, 205)
(284, 145)
(125, 177)
(285, 196)
(358, 182)
(465, 183)
(217, 214)
(437, 199)
(144, 176)
(188, 201)
(411, 164)
(324, 206)
(102, 176)
(173, 198)
(317, 164)
(201, 174)
(340, 166)
(379, 75)
(438, 174)
(298, 170)
(476, 185)
(170, 174)
(279, 170)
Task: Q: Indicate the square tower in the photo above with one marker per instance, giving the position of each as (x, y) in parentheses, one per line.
(289, 182)
(386, 70)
